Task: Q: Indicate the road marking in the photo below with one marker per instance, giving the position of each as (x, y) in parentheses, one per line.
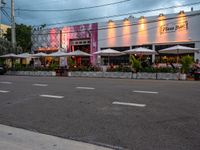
(129, 104)
(43, 85)
(86, 88)
(6, 82)
(1, 91)
(52, 96)
(146, 92)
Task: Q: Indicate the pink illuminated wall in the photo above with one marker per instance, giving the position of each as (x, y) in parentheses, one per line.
(53, 40)
(86, 31)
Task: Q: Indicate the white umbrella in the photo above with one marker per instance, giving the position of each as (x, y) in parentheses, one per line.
(141, 51)
(41, 54)
(24, 55)
(10, 55)
(58, 54)
(108, 52)
(78, 53)
(178, 49)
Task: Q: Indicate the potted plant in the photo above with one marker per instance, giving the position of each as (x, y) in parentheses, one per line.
(186, 62)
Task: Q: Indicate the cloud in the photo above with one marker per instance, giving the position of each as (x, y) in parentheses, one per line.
(36, 18)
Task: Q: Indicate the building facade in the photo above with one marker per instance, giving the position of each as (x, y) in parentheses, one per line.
(79, 37)
(157, 32)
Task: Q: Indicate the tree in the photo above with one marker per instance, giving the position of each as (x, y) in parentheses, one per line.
(23, 36)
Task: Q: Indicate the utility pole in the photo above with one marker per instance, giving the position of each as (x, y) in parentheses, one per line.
(13, 35)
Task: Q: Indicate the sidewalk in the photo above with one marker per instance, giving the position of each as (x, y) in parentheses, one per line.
(18, 139)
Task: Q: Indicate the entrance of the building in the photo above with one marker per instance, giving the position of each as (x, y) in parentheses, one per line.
(82, 45)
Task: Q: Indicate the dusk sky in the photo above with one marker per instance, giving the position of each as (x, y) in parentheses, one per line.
(56, 17)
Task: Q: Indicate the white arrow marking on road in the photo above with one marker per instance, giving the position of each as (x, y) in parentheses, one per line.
(146, 92)
(129, 104)
(6, 82)
(52, 96)
(1, 91)
(43, 85)
(86, 88)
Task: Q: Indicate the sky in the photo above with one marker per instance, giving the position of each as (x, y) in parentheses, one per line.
(55, 18)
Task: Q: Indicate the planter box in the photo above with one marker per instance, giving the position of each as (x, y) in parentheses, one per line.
(145, 75)
(124, 75)
(120, 75)
(168, 76)
(32, 73)
(182, 76)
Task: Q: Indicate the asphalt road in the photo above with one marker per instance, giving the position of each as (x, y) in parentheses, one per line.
(127, 114)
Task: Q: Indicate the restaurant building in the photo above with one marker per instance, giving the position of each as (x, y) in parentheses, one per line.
(156, 32)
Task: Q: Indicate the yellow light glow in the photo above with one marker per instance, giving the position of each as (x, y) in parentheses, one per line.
(160, 36)
(126, 32)
(182, 33)
(111, 33)
(142, 35)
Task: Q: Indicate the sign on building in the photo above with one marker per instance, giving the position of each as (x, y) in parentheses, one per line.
(168, 28)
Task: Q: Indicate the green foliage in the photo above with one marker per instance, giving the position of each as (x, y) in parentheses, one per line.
(149, 69)
(159, 70)
(119, 69)
(186, 62)
(23, 36)
(53, 66)
(6, 47)
(70, 62)
(84, 68)
(135, 64)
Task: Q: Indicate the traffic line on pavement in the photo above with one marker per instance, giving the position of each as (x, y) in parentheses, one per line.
(2, 91)
(85, 88)
(52, 96)
(129, 104)
(5, 82)
(146, 92)
(43, 85)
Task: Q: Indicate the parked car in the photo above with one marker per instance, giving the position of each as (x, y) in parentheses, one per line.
(2, 70)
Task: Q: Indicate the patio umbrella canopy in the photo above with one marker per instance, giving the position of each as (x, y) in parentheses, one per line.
(10, 55)
(58, 54)
(108, 52)
(141, 51)
(24, 55)
(40, 55)
(78, 53)
(178, 49)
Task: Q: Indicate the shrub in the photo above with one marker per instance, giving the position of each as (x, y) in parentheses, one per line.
(119, 69)
(186, 62)
(84, 68)
(135, 64)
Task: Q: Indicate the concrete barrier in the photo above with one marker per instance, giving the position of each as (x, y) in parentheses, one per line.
(120, 75)
(32, 73)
